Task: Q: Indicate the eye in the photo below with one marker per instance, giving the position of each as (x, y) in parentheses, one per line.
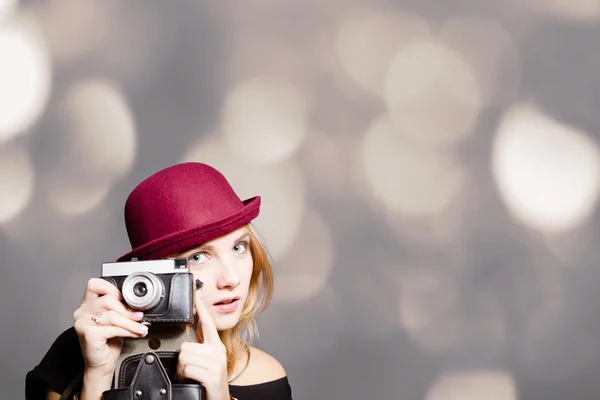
(198, 258)
(241, 247)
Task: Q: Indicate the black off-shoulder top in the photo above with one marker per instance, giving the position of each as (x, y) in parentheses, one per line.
(63, 363)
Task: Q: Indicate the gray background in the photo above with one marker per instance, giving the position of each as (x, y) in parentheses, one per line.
(451, 252)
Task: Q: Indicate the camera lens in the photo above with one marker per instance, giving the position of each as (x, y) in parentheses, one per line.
(140, 289)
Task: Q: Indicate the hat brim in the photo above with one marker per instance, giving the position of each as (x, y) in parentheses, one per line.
(190, 238)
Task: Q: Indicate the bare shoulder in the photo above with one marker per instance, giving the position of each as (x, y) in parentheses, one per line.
(262, 368)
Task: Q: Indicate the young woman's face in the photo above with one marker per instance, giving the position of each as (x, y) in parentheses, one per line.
(224, 265)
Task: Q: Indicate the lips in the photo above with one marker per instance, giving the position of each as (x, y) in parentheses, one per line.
(228, 305)
(226, 301)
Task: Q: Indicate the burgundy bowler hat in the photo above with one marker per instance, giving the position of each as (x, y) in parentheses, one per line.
(181, 207)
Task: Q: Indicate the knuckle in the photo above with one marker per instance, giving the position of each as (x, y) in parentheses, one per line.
(108, 302)
(98, 304)
(114, 303)
(83, 332)
(90, 283)
(109, 317)
(188, 370)
(78, 326)
(78, 317)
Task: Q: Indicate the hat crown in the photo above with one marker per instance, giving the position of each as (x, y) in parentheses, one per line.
(176, 199)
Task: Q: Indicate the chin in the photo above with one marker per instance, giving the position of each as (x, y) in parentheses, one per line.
(225, 322)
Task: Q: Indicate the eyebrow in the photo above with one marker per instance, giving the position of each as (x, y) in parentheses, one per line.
(245, 235)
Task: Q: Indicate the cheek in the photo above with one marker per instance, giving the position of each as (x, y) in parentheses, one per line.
(246, 271)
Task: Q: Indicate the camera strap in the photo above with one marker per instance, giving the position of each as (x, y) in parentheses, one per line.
(74, 387)
(151, 382)
(161, 339)
(146, 366)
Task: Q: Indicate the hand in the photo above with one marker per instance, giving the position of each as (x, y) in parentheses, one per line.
(205, 362)
(101, 321)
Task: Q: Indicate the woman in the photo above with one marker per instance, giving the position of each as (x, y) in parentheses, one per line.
(185, 211)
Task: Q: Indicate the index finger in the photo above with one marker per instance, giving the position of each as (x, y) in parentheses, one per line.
(207, 324)
(97, 287)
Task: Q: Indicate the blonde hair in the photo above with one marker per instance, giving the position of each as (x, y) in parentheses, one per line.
(239, 338)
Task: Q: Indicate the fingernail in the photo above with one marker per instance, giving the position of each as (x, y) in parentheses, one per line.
(138, 315)
(199, 284)
(143, 329)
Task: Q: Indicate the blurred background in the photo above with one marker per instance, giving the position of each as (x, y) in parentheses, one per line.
(430, 173)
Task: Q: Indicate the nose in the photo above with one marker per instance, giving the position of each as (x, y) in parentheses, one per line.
(228, 276)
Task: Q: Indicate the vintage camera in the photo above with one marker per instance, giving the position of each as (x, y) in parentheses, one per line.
(162, 289)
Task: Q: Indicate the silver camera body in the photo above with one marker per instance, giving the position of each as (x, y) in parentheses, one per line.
(162, 289)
